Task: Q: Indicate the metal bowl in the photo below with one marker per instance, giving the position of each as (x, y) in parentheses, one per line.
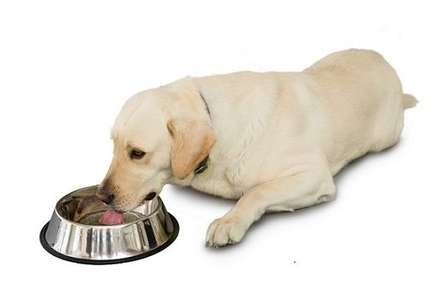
(74, 233)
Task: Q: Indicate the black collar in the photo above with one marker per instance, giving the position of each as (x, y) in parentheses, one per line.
(203, 164)
(206, 105)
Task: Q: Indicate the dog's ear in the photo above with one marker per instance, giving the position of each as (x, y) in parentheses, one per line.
(192, 141)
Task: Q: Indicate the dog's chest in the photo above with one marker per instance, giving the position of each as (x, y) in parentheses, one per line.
(214, 181)
(228, 175)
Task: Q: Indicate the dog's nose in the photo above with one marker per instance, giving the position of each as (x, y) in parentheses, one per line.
(104, 193)
(105, 197)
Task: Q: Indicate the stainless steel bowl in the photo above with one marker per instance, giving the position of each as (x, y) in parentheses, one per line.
(74, 233)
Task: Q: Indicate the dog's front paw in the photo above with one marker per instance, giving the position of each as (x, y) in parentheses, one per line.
(226, 230)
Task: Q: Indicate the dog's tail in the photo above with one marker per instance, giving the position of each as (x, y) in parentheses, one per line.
(409, 101)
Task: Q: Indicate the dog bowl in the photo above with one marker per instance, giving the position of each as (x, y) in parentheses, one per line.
(74, 233)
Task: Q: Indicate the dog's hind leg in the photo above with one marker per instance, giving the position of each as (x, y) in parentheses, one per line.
(292, 192)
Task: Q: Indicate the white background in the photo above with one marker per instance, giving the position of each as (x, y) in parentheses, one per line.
(67, 67)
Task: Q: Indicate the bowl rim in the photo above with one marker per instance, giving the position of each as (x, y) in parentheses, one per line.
(159, 205)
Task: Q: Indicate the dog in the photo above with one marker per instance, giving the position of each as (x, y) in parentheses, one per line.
(273, 141)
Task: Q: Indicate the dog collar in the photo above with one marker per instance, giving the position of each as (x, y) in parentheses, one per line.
(206, 105)
(201, 166)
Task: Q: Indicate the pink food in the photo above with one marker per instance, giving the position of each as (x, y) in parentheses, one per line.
(111, 217)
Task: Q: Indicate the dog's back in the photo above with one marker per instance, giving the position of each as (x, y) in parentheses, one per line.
(363, 99)
(345, 105)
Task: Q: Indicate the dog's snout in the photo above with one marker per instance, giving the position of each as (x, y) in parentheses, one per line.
(105, 193)
(150, 196)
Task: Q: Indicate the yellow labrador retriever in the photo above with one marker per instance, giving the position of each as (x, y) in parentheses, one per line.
(272, 140)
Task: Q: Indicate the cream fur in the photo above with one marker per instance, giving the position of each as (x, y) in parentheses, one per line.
(279, 137)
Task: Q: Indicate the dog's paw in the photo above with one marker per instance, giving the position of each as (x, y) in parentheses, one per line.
(226, 230)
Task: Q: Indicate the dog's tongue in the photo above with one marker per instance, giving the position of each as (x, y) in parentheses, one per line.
(111, 217)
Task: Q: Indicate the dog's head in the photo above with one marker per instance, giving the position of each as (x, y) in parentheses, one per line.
(159, 134)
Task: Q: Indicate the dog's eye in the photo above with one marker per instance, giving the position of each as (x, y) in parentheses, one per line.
(136, 154)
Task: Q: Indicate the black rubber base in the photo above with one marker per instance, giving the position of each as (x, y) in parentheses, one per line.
(113, 261)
